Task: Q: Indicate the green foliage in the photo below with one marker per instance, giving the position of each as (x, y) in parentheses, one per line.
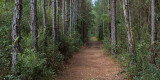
(106, 44)
(69, 44)
(147, 70)
(76, 41)
(31, 65)
(5, 40)
(54, 57)
(123, 59)
(49, 58)
(143, 70)
(4, 64)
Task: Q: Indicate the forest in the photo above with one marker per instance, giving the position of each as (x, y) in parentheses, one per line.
(79, 40)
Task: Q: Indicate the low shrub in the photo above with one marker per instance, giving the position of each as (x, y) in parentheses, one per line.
(106, 44)
(69, 44)
(143, 69)
(32, 65)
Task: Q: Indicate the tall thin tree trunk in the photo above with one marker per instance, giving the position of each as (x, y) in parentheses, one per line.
(44, 15)
(132, 53)
(108, 7)
(83, 23)
(153, 32)
(73, 15)
(130, 17)
(34, 28)
(76, 15)
(66, 15)
(16, 33)
(57, 4)
(97, 30)
(113, 25)
(109, 15)
(54, 21)
(49, 1)
(103, 2)
(44, 23)
(70, 17)
(63, 16)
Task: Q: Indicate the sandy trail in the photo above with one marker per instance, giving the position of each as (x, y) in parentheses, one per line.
(90, 64)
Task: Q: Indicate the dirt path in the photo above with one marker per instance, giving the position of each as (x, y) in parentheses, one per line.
(90, 64)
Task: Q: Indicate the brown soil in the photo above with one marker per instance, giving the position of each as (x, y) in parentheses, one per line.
(91, 64)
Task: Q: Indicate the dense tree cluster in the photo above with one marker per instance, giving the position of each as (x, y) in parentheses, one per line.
(131, 26)
(38, 36)
(44, 34)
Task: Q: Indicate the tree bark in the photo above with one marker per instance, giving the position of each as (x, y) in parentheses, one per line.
(44, 15)
(57, 33)
(75, 7)
(113, 25)
(76, 15)
(34, 28)
(16, 33)
(103, 2)
(83, 23)
(70, 17)
(66, 15)
(132, 53)
(109, 15)
(63, 16)
(153, 32)
(54, 21)
(97, 30)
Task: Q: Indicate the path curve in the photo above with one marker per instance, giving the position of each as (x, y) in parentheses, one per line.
(90, 64)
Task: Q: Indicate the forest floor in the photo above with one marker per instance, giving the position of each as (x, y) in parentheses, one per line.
(91, 64)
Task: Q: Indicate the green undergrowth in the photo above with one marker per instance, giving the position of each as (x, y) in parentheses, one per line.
(41, 65)
(143, 69)
(44, 64)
